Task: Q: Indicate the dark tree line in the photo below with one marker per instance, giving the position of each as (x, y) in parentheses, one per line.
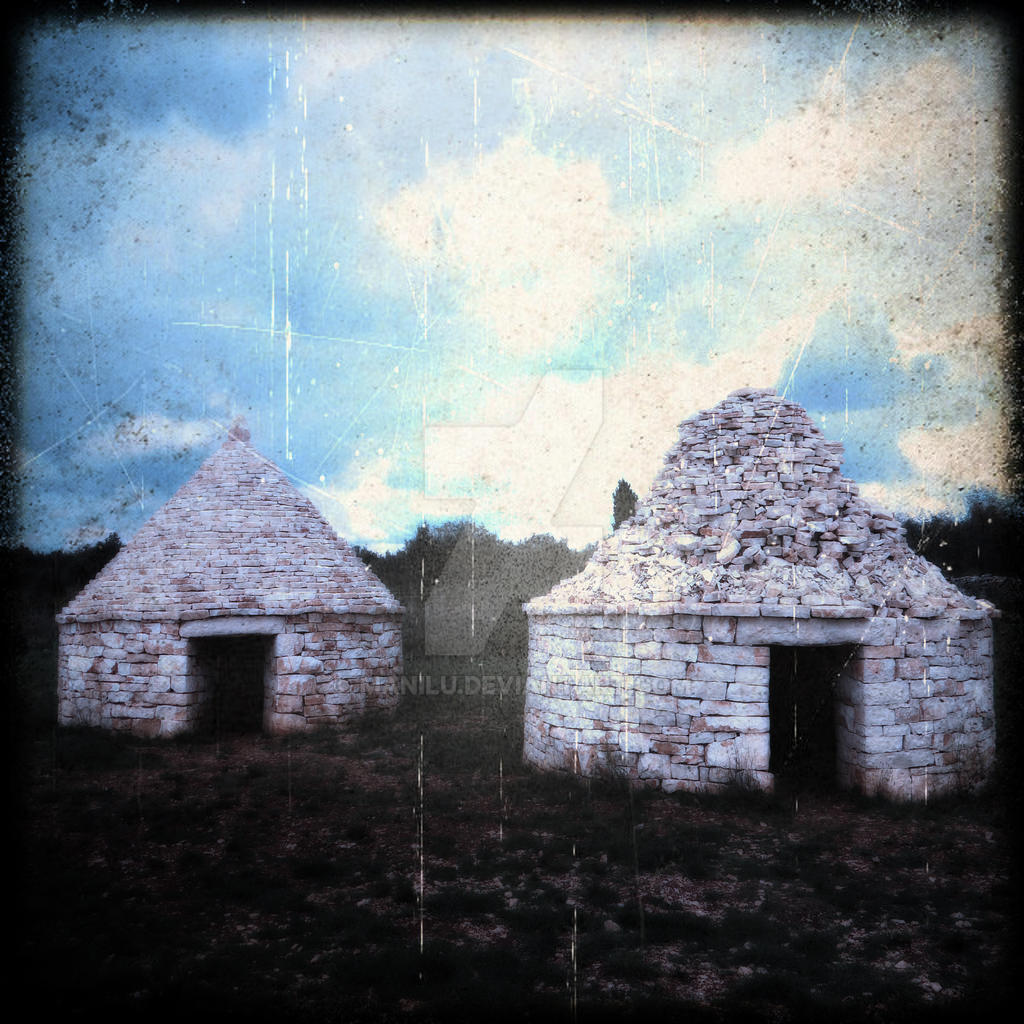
(36, 587)
(49, 581)
(463, 587)
(986, 542)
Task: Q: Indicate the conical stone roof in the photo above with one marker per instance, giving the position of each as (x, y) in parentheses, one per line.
(750, 514)
(236, 539)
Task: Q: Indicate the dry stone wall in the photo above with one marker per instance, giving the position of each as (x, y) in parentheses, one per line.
(330, 668)
(132, 676)
(146, 678)
(681, 700)
(916, 714)
(666, 699)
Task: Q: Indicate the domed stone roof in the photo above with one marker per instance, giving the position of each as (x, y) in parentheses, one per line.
(750, 514)
(237, 539)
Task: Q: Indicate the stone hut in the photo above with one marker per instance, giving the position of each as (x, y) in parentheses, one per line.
(235, 607)
(755, 613)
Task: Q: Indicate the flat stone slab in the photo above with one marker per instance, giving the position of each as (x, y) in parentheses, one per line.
(234, 625)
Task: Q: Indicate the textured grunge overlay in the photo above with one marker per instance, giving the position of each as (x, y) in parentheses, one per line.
(590, 377)
(485, 267)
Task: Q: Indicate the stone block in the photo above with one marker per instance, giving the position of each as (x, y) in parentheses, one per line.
(657, 702)
(911, 668)
(654, 766)
(728, 707)
(911, 631)
(287, 703)
(704, 672)
(720, 630)
(172, 664)
(747, 752)
(876, 743)
(892, 693)
(874, 715)
(663, 669)
(624, 666)
(299, 665)
(873, 670)
(611, 649)
(182, 683)
(917, 741)
(288, 645)
(693, 689)
(647, 650)
(736, 723)
(747, 692)
(679, 652)
(732, 654)
(752, 675)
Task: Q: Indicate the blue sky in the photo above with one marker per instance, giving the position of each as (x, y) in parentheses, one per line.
(485, 267)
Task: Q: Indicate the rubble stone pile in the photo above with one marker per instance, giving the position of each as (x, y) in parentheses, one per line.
(751, 507)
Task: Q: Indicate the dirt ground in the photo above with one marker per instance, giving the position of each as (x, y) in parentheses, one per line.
(413, 869)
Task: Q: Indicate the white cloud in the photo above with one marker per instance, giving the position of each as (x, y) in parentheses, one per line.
(974, 347)
(916, 499)
(528, 242)
(889, 189)
(548, 452)
(548, 460)
(373, 513)
(969, 357)
(906, 133)
(320, 60)
(949, 462)
(958, 458)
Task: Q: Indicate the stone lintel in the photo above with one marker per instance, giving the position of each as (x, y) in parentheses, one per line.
(234, 625)
(764, 630)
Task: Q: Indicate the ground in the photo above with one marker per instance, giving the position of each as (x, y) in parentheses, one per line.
(413, 869)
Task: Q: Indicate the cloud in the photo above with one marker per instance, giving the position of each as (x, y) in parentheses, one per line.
(944, 465)
(549, 459)
(527, 242)
(188, 190)
(890, 399)
(150, 434)
(907, 129)
(971, 456)
(974, 350)
(370, 511)
(335, 48)
(891, 188)
(544, 454)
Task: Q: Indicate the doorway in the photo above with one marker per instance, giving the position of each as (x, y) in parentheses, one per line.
(233, 671)
(803, 714)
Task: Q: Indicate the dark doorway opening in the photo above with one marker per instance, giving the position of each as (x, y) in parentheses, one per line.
(234, 672)
(802, 710)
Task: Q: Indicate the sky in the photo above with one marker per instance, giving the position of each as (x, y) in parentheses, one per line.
(484, 267)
